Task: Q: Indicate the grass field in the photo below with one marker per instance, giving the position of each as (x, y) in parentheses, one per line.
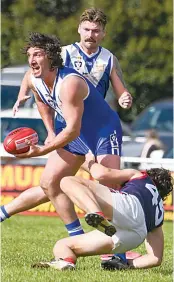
(29, 239)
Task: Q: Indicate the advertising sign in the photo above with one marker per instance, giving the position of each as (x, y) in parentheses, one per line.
(16, 178)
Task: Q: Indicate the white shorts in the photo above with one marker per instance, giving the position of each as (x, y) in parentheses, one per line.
(129, 220)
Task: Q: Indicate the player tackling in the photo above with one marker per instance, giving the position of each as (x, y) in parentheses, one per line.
(136, 213)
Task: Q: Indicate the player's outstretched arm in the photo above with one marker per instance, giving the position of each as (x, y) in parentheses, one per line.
(23, 93)
(154, 244)
(100, 172)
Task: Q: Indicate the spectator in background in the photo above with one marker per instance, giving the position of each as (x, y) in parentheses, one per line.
(152, 144)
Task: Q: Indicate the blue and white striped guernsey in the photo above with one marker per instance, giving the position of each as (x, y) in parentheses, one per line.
(99, 121)
(96, 67)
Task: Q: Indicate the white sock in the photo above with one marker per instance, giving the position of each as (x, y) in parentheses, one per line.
(3, 214)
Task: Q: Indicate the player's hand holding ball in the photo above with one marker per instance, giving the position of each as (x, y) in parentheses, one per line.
(21, 141)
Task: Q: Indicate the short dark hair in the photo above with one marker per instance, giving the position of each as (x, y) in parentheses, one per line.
(49, 43)
(162, 178)
(94, 15)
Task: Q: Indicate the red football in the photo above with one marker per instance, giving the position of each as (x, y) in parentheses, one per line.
(15, 141)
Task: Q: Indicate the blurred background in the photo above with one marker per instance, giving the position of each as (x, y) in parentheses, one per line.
(139, 33)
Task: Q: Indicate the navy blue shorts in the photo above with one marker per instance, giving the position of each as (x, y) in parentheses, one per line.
(109, 144)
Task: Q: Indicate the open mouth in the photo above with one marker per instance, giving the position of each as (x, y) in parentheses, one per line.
(35, 69)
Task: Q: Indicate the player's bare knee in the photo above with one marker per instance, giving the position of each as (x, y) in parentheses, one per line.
(67, 182)
(64, 183)
(50, 187)
(47, 182)
(59, 246)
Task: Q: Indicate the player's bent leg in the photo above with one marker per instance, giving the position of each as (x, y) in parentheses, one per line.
(97, 200)
(28, 199)
(88, 244)
(97, 197)
(112, 161)
(60, 163)
(67, 250)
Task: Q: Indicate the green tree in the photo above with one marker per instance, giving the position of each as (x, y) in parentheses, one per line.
(141, 37)
(5, 4)
(20, 17)
(59, 9)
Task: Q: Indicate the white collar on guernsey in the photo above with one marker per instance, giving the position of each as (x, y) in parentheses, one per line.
(91, 55)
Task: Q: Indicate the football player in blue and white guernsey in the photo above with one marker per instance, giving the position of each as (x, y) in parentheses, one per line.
(79, 128)
(90, 39)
